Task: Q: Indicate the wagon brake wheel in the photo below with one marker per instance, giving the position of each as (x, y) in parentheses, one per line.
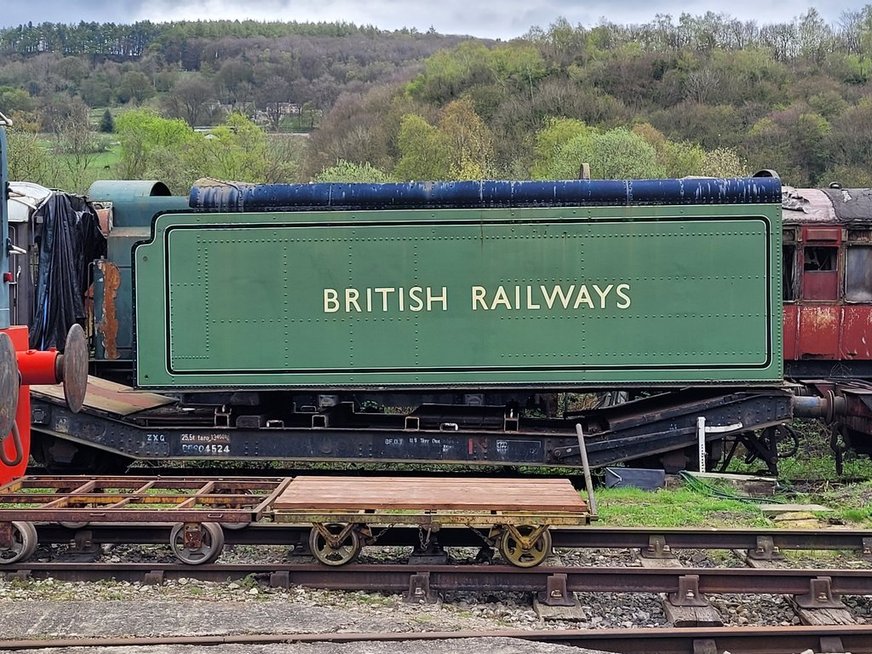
(334, 543)
(196, 549)
(525, 546)
(22, 545)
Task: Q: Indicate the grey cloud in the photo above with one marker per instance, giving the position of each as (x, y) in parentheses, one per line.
(504, 19)
(20, 12)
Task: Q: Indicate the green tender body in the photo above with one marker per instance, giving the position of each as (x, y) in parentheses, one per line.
(670, 295)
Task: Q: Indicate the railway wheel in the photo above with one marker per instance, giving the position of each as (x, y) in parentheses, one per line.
(22, 543)
(334, 543)
(196, 544)
(525, 546)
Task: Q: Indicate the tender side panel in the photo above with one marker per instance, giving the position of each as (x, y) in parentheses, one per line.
(536, 297)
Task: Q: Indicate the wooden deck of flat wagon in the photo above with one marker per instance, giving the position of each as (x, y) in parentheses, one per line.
(345, 513)
(513, 514)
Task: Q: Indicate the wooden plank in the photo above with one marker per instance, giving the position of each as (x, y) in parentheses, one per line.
(822, 616)
(692, 616)
(683, 616)
(816, 616)
(425, 493)
(108, 396)
(777, 509)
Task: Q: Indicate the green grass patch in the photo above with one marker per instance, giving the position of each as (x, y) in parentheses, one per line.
(814, 460)
(686, 506)
(109, 158)
(683, 507)
(851, 503)
(858, 516)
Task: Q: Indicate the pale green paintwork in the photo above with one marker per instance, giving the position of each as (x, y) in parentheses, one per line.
(243, 304)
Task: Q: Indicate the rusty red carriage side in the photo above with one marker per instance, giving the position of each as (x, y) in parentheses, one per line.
(827, 289)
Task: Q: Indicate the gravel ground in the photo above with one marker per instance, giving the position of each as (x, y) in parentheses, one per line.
(48, 608)
(489, 645)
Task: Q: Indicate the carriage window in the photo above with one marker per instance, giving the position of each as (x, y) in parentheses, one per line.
(820, 259)
(820, 276)
(788, 272)
(858, 274)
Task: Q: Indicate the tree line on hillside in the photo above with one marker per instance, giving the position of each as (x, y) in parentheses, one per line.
(132, 40)
(201, 72)
(801, 103)
(697, 95)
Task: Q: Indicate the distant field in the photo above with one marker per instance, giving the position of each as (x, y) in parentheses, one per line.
(75, 173)
(108, 159)
(100, 165)
(110, 156)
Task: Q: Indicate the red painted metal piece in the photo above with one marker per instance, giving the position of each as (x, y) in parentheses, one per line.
(819, 330)
(791, 332)
(831, 331)
(19, 336)
(830, 234)
(820, 285)
(856, 332)
(820, 324)
(39, 366)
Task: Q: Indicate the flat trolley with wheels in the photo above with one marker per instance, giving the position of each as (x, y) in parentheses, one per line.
(348, 513)
(198, 509)
(344, 514)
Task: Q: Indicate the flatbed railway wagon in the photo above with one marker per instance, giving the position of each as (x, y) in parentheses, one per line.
(341, 515)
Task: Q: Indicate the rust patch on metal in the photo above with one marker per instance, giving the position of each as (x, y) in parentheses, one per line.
(108, 325)
(820, 318)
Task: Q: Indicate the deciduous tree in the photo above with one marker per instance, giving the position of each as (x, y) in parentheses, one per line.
(347, 171)
(188, 99)
(145, 136)
(424, 151)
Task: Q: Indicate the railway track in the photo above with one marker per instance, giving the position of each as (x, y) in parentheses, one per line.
(814, 588)
(750, 640)
(809, 586)
(653, 542)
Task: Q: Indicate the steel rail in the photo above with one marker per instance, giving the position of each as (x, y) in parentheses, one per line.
(645, 538)
(402, 578)
(751, 640)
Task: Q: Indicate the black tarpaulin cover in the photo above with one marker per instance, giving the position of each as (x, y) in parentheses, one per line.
(69, 240)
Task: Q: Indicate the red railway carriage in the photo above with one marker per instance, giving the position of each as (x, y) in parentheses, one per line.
(827, 289)
(827, 279)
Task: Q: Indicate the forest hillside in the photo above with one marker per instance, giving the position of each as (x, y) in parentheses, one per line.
(687, 95)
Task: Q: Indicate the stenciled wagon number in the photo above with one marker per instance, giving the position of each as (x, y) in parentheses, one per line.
(214, 448)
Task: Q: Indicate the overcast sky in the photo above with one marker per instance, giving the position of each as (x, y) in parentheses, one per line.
(487, 18)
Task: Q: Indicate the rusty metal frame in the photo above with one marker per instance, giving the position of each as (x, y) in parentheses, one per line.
(432, 518)
(139, 499)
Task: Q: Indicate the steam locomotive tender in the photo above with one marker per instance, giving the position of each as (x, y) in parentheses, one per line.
(431, 322)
